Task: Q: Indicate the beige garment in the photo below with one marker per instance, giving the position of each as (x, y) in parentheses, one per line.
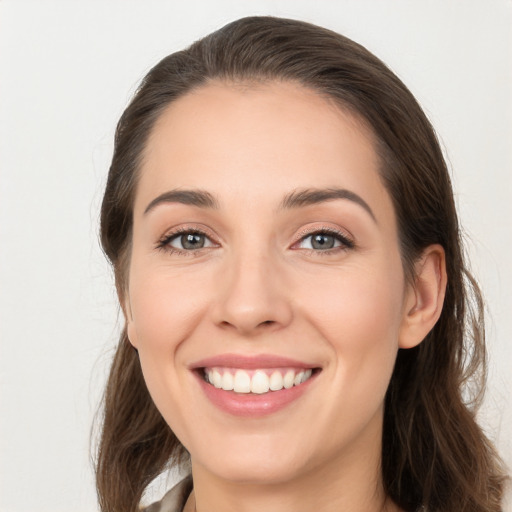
(175, 499)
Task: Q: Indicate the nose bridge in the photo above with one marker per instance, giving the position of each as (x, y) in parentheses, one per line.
(252, 293)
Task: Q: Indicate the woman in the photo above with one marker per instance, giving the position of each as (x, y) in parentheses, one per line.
(301, 329)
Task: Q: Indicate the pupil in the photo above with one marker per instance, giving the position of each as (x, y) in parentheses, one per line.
(192, 241)
(323, 242)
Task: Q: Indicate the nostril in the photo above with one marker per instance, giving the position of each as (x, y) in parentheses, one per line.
(267, 322)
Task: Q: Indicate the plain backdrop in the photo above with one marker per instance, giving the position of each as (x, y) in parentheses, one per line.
(67, 70)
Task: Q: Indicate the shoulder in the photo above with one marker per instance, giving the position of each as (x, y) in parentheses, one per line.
(174, 500)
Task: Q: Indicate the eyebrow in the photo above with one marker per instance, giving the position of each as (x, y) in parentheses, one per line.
(311, 196)
(199, 198)
(296, 199)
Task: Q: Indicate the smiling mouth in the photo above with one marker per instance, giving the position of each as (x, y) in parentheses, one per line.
(257, 381)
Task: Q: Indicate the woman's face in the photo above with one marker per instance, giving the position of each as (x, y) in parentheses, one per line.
(265, 257)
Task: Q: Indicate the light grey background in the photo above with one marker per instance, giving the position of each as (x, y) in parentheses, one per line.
(67, 69)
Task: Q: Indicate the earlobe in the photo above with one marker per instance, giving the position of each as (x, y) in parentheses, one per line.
(128, 317)
(131, 333)
(425, 297)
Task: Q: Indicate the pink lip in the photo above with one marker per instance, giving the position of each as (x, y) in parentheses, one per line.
(249, 404)
(250, 362)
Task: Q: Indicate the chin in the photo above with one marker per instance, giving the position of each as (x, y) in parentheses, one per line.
(249, 459)
(243, 470)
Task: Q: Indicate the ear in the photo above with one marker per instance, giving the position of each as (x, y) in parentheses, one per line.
(424, 297)
(128, 318)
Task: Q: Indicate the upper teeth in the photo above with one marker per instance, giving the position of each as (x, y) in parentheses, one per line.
(255, 381)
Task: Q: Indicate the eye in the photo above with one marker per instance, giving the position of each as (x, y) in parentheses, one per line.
(324, 241)
(186, 241)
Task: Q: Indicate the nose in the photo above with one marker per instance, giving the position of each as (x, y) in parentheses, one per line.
(252, 296)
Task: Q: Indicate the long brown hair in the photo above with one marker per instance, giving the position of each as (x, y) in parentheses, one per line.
(433, 453)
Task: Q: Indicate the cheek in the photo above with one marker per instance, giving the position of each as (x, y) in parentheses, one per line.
(164, 306)
(356, 307)
(165, 310)
(359, 315)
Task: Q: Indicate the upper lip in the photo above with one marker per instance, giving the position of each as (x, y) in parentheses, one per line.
(250, 362)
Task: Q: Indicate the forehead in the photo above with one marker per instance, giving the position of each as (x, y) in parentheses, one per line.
(257, 140)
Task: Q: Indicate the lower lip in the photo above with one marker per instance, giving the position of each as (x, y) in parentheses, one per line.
(251, 404)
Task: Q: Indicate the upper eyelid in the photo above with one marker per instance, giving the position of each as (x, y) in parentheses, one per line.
(301, 235)
(192, 228)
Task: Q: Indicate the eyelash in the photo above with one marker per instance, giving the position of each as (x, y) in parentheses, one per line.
(346, 242)
(164, 243)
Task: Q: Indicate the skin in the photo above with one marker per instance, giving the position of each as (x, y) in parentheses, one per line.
(258, 287)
